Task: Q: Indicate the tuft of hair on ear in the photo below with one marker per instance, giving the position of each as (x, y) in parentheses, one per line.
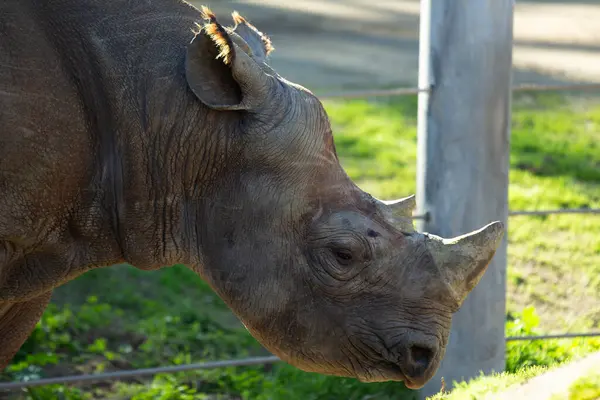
(238, 19)
(218, 35)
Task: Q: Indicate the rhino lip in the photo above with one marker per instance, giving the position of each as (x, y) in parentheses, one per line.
(385, 366)
(393, 371)
(411, 385)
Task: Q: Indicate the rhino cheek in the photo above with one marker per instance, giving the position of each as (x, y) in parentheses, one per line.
(281, 333)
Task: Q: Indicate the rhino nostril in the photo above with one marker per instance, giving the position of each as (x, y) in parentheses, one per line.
(421, 357)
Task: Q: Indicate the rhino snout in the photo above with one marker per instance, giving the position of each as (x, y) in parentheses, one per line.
(418, 359)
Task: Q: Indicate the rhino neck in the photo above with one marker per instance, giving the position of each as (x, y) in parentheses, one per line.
(182, 163)
(177, 153)
(157, 149)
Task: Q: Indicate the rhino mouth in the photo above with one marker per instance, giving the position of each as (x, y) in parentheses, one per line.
(386, 370)
(392, 372)
(382, 372)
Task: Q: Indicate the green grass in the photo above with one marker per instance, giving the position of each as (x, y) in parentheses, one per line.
(524, 359)
(121, 318)
(585, 388)
(523, 354)
(487, 384)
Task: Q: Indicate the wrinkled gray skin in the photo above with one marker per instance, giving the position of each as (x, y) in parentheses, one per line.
(123, 138)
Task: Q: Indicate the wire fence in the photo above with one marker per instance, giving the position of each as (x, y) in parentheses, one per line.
(524, 87)
(243, 362)
(137, 373)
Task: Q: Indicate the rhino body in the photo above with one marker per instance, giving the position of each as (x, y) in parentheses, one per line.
(145, 132)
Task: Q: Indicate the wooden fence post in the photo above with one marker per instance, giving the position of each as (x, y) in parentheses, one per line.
(463, 160)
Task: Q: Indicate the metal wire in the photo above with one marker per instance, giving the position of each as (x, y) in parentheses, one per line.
(107, 376)
(560, 211)
(525, 87)
(11, 386)
(374, 93)
(558, 336)
(530, 87)
(211, 365)
(535, 212)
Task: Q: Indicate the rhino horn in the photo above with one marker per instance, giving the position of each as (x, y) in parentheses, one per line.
(399, 212)
(464, 259)
(402, 207)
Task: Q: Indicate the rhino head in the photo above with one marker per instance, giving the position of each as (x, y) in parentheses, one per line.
(325, 276)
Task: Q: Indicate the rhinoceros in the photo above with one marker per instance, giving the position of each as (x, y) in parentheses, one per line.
(145, 132)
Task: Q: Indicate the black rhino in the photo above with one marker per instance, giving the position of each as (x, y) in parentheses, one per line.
(145, 132)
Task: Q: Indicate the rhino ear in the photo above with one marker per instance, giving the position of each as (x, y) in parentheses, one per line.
(258, 45)
(219, 73)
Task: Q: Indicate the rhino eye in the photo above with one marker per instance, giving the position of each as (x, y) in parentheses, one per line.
(343, 256)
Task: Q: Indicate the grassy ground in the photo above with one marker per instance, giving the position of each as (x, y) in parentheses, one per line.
(486, 385)
(120, 318)
(585, 388)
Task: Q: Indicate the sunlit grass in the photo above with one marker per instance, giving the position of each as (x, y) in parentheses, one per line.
(487, 384)
(585, 388)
